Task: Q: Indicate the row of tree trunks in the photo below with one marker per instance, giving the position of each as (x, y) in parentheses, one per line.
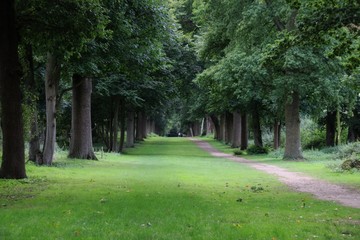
(231, 129)
(13, 159)
(133, 126)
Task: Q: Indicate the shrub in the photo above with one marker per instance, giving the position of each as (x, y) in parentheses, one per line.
(312, 137)
(348, 150)
(253, 149)
(351, 163)
(239, 152)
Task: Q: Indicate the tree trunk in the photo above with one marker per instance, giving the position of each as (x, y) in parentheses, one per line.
(52, 78)
(144, 125)
(338, 127)
(13, 159)
(256, 127)
(292, 123)
(203, 130)
(277, 134)
(115, 124)
(216, 123)
(244, 132)
(141, 126)
(236, 137)
(130, 129)
(34, 142)
(197, 128)
(330, 128)
(229, 128)
(122, 126)
(81, 133)
(222, 127)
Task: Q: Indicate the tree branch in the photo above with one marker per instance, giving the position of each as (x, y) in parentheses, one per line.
(59, 97)
(277, 21)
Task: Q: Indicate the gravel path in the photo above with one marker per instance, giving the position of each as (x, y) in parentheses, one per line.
(296, 180)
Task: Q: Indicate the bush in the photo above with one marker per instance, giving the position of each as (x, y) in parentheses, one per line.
(312, 137)
(239, 152)
(348, 150)
(351, 163)
(253, 149)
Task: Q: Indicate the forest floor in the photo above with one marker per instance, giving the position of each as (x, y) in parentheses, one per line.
(296, 180)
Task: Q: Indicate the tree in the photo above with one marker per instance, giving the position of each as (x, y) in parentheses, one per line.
(58, 30)
(81, 132)
(13, 160)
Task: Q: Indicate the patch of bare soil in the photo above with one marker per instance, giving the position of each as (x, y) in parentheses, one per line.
(296, 180)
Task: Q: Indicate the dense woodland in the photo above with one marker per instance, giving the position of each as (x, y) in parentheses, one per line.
(102, 74)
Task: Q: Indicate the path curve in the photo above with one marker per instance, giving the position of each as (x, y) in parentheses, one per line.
(296, 180)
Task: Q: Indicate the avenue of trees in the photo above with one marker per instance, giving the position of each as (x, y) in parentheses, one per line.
(105, 73)
(267, 63)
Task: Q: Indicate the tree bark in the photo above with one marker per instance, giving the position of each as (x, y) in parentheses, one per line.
(292, 123)
(81, 132)
(338, 126)
(229, 127)
(130, 129)
(354, 123)
(277, 134)
(144, 125)
(115, 124)
(141, 126)
(34, 142)
(52, 78)
(222, 127)
(330, 128)
(216, 123)
(13, 159)
(244, 132)
(256, 127)
(203, 130)
(122, 126)
(236, 137)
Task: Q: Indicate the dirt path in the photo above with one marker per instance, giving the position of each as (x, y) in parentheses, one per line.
(296, 180)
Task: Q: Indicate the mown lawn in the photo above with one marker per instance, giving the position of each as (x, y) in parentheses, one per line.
(166, 188)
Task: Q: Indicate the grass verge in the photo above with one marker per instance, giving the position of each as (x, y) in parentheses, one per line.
(320, 164)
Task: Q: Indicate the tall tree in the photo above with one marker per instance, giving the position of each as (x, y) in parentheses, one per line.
(59, 30)
(13, 160)
(81, 131)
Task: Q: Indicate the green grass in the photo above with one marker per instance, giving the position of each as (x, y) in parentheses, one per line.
(317, 164)
(166, 188)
